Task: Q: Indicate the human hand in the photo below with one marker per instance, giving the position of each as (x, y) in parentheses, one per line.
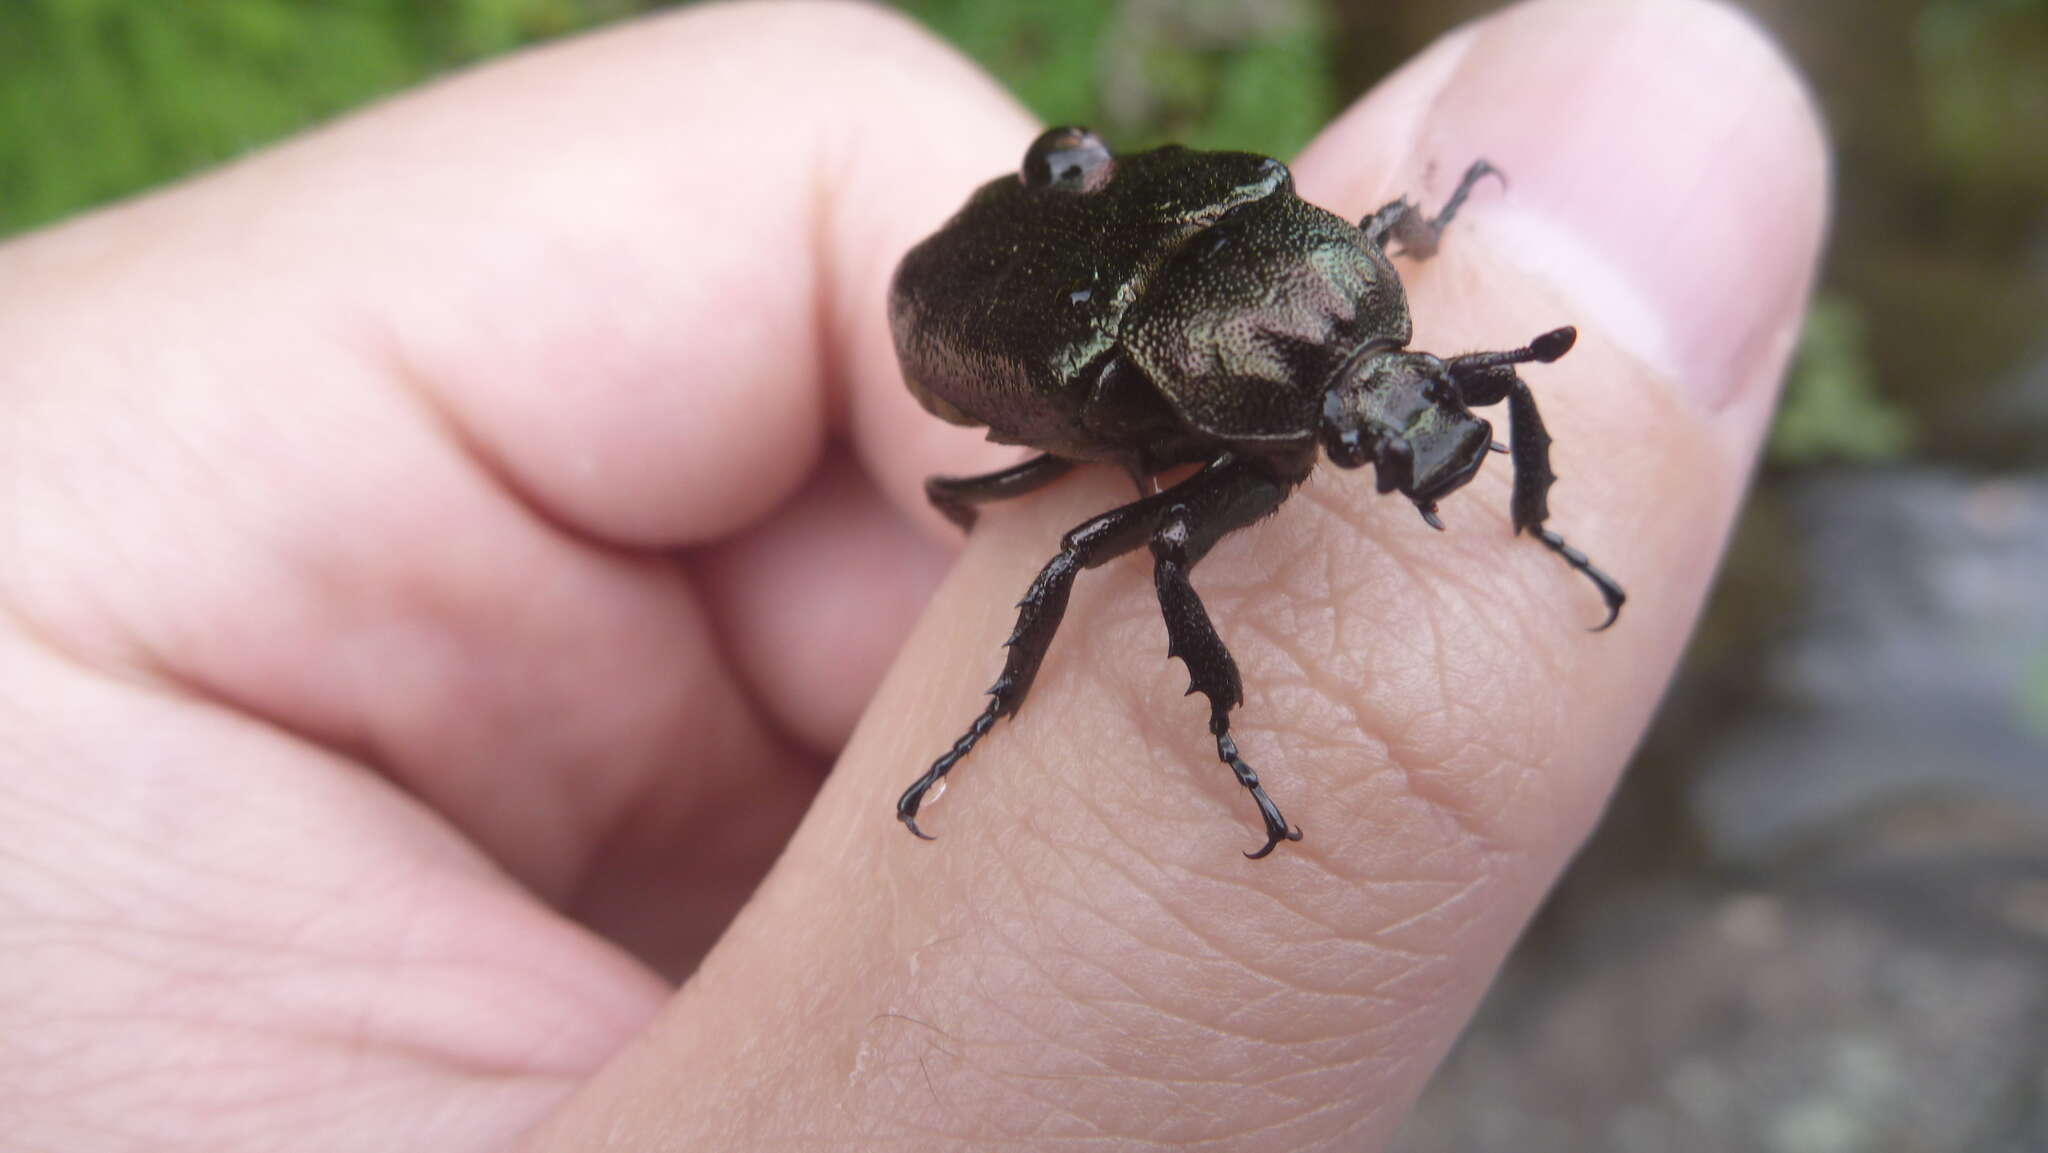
(444, 553)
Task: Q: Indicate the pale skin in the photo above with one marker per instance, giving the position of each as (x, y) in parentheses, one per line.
(445, 555)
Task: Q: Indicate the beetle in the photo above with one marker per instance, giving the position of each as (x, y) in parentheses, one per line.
(1172, 307)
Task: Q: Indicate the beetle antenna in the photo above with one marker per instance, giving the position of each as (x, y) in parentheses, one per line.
(1542, 350)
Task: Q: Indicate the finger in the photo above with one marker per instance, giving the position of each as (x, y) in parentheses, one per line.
(218, 937)
(1083, 957)
(801, 598)
(382, 436)
(632, 291)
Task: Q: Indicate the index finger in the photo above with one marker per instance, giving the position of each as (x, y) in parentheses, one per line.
(668, 291)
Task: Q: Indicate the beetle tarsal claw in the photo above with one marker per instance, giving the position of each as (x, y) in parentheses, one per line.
(1272, 842)
(1610, 591)
(1614, 597)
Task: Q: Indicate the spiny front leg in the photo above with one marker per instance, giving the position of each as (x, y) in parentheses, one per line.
(1486, 378)
(1091, 543)
(1186, 534)
(1530, 506)
(1211, 671)
(1038, 618)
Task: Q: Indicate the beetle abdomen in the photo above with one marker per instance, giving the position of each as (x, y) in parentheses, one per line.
(1009, 313)
(996, 316)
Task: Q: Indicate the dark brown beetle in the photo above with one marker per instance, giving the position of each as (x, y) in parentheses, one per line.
(1179, 307)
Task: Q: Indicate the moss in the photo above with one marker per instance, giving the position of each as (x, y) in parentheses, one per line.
(1214, 75)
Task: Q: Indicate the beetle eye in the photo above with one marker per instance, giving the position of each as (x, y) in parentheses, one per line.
(1070, 159)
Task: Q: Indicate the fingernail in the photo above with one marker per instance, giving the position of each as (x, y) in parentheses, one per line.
(1666, 171)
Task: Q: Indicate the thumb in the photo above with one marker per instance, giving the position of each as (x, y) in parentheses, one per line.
(1084, 956)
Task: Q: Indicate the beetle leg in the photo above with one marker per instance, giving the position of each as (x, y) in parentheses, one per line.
(1091, 543)
(1609, 590)
(1231, 499)
(1488, 378)
(1529, 507)
(1403, 221)
(956, 496)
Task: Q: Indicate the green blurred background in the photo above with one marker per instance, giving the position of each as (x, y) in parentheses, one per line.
(1939, 109)
(1817, 918)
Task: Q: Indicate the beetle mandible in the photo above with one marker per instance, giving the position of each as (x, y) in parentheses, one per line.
(1175, 307)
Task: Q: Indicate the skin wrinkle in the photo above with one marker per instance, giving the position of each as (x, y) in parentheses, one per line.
(373, 748)
(162, 900)
(194, 974)
(381, 754)
(37, 634)
(149, 957)
(1460, 894)
(55, 820)
(1131, 607)
(1100, 1005)
(1434, 620)
(1075, 955)
(1392, 759)
(1287, 1111)
(174, 1083)
(1094, 1006)
(386, 349)
(1299, 910)
(1012, 1083)
(560, 474)
(828, 315)
(1215, 955)
(987, 993)
(1192, 1099)
(1093, 1072)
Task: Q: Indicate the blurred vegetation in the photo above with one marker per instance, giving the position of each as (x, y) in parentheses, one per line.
(1831, 409)
(2033, 703)
(1987, 94)
(100, 98)
(1212, 75)
(1937, 107)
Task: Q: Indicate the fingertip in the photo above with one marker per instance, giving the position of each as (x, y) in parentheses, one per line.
(1669, 173)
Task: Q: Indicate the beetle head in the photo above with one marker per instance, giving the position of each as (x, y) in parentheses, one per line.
(1403, 413)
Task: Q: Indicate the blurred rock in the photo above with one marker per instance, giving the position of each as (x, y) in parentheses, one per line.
(1917, 670)
(1837, 1016)
(1849, 954)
